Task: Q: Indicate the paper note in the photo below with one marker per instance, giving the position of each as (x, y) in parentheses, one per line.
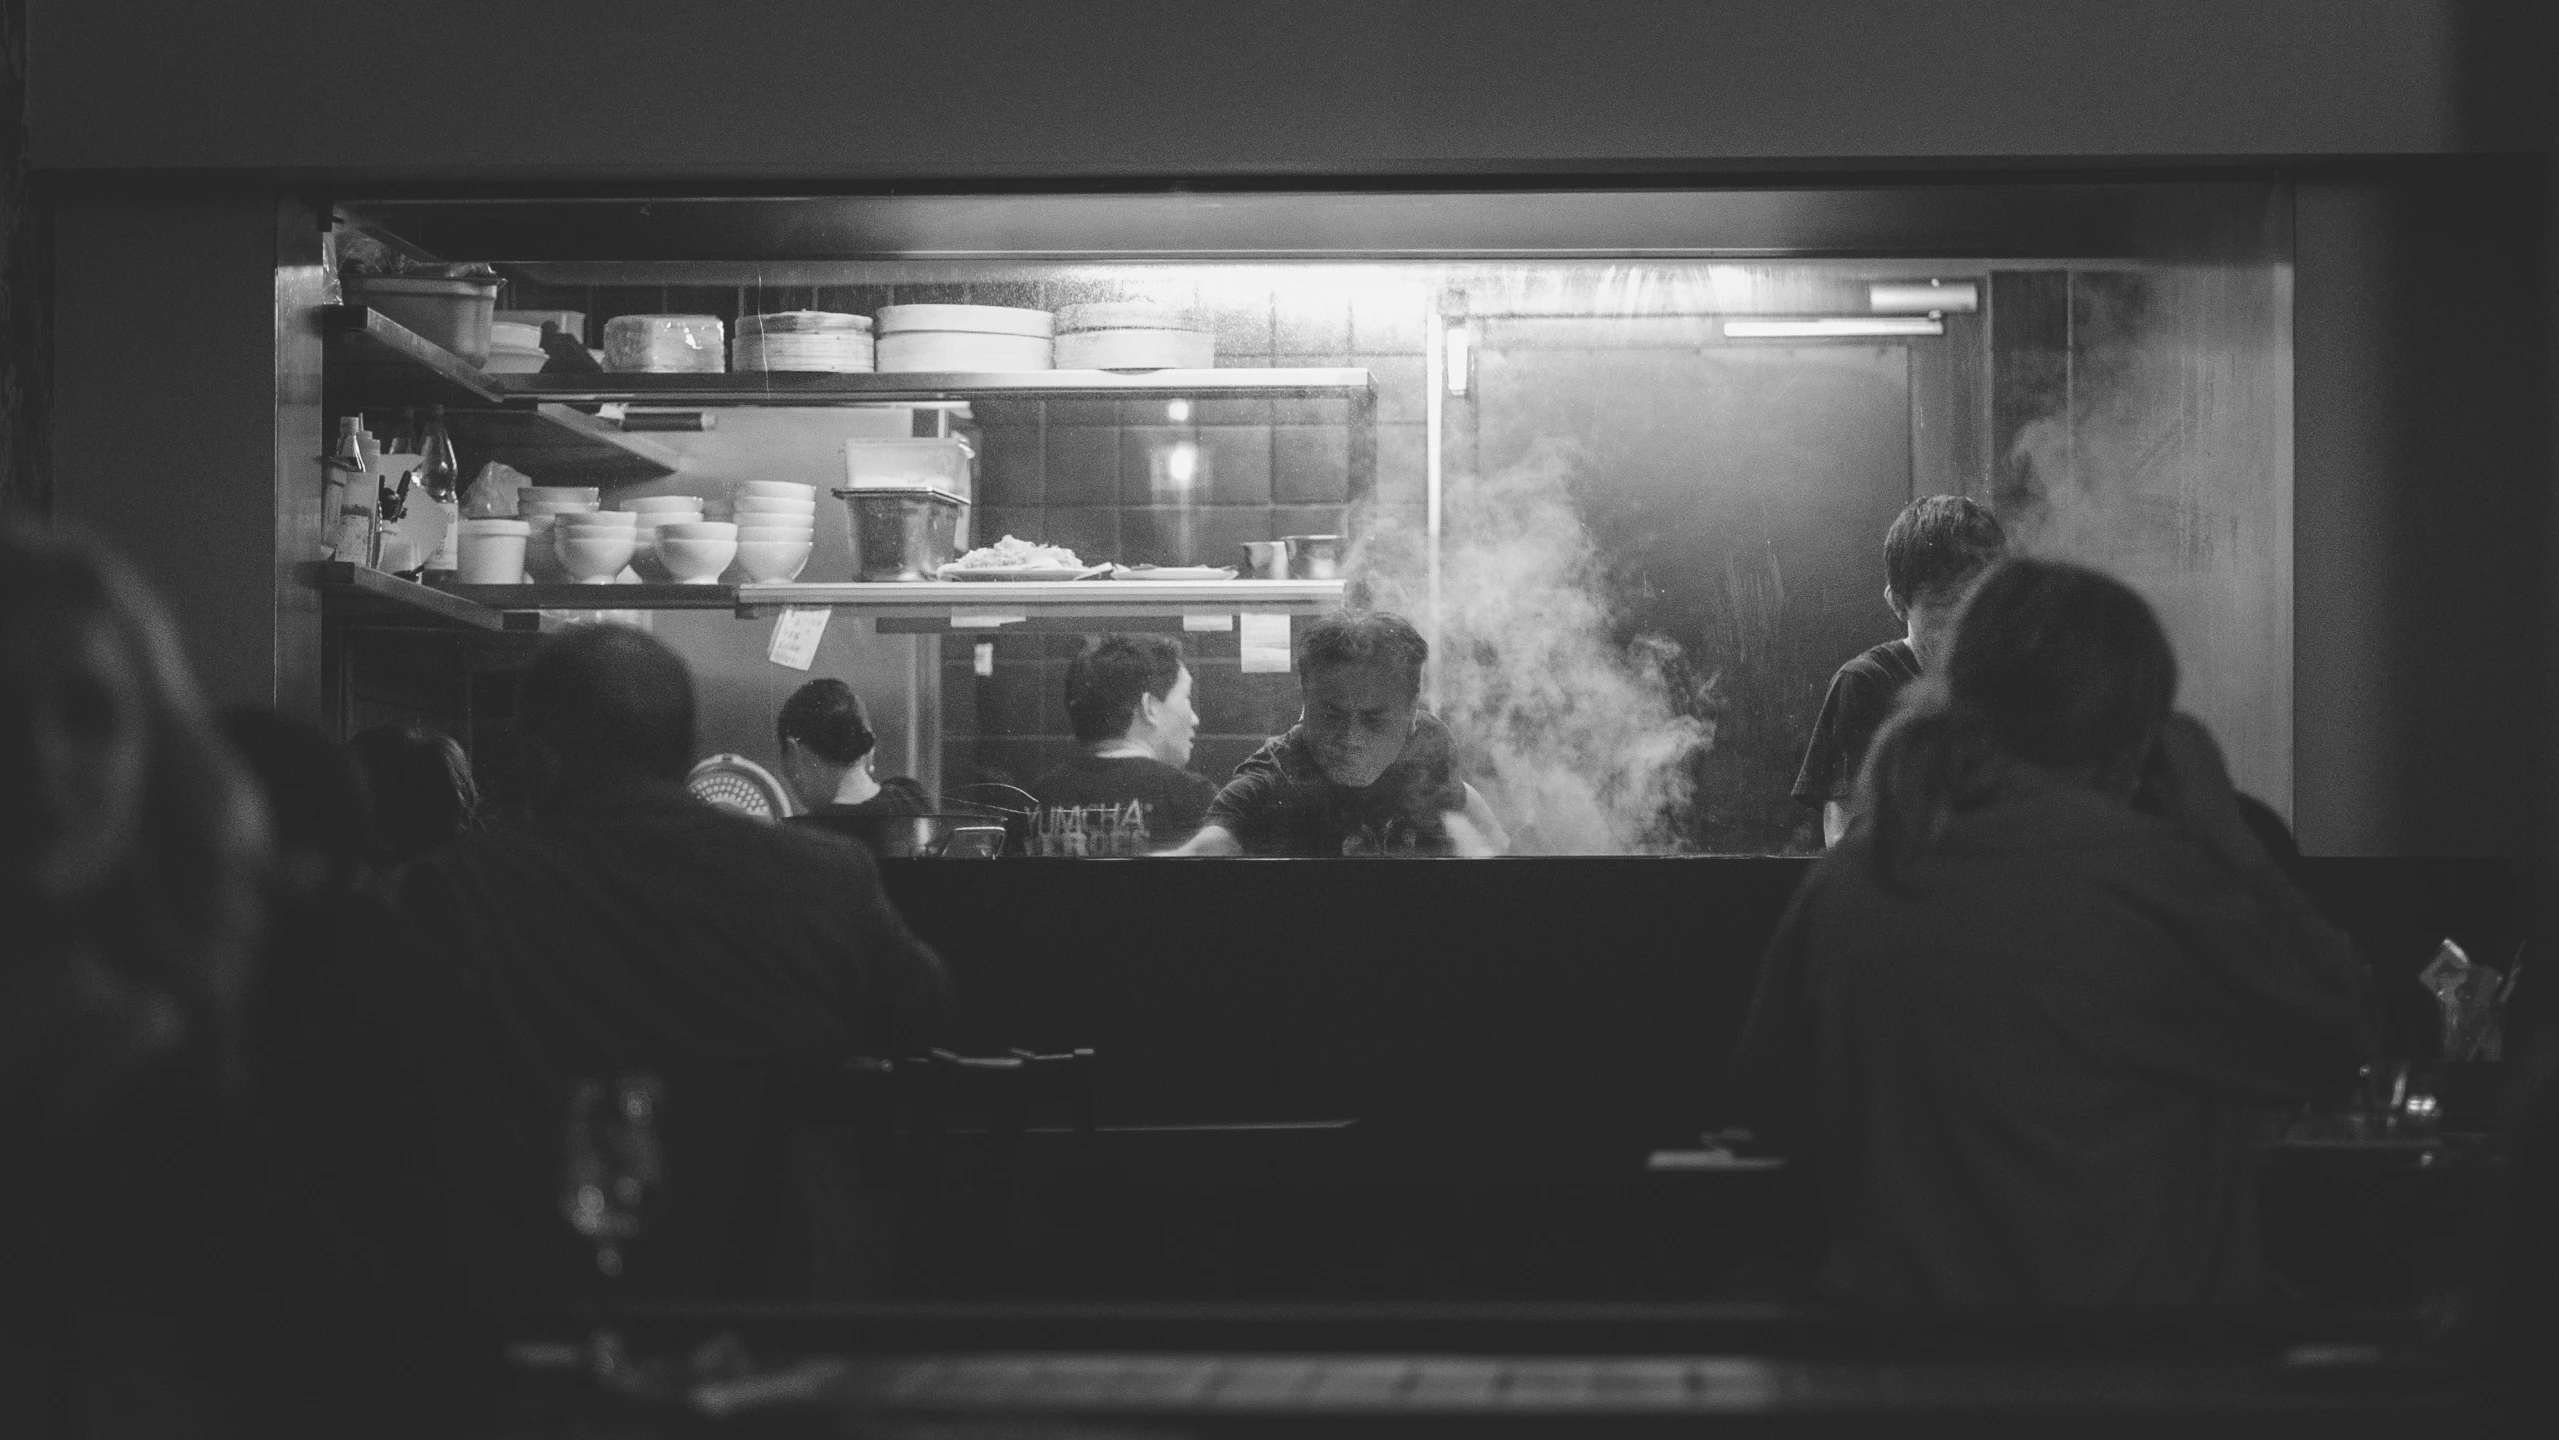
(1208, 622)
(796, 634)
(1265, 644)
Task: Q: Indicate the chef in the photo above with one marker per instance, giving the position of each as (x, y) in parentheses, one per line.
(1365, 771)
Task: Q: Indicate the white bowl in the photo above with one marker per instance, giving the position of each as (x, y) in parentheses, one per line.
(696, 561)
(647, 504)
(772, 505)
(698, 530)
(772, 559)
(594, 559)
(617, 519)
(589, 493)
(778, 489)
(767, 534)
(526, 509)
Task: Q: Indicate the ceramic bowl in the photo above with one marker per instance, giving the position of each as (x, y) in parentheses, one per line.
(777, 490)
(646, 560)
(648, 504)
(768, 534)
(698, 530)
(697, 560)
(772, 559)
(601, 519)
(769, 505)
(595, 559)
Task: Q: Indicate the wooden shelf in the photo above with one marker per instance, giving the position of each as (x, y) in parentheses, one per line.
(376, 363)
(806, 388)
(560, 446)
(364, 595)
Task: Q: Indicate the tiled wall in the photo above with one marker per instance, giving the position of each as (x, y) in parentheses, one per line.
(1112, 479)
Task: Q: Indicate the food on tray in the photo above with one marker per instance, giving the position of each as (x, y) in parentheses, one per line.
(1012, 553)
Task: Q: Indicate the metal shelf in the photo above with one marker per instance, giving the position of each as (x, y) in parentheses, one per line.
(954, 601)
(918, 605)
(809, 388)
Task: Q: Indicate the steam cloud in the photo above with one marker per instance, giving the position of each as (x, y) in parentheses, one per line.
(1580, 742)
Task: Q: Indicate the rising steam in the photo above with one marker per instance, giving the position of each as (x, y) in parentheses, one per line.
(1581, 742)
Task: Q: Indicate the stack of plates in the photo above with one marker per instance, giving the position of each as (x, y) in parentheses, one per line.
(965, 337)
(515, 348)
(1132, 335)
(802, 340)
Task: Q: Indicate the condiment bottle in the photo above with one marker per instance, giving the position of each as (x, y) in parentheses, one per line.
(347, 459)
(441, 476)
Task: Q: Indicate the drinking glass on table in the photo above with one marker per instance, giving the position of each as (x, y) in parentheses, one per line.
(610, 1161)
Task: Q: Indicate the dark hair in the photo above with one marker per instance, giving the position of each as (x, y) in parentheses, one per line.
(1104, 683)
(1362, 637)
(418, 788)
(144, 952)
(1938, 543)
(825, 716)
(607, 702)
(312, 794)
(2050, 663)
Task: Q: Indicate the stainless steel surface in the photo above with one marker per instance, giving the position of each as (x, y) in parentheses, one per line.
(902, 533)
(1314, 557)
(962, 600)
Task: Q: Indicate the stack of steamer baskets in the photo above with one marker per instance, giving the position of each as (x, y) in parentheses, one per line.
(964, 337)
(817, 340)
(1131, 335)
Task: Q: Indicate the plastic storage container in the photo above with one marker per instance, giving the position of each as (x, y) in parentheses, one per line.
(902, 532)
(452, 313)
(666, 345)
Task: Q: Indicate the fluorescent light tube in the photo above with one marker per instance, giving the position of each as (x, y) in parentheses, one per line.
(1832, 327)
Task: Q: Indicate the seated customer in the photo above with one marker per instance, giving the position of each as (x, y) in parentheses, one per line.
(2024, 1016)
(418, 790)
(628, 929)
(1364, 771)
(827, 754)
(1935, 549)
(1129, 697)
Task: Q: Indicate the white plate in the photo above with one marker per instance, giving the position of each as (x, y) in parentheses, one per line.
(1030, 572)
(1173, 572)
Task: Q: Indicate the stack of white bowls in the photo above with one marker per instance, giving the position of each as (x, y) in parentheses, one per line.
(802, 340)
(515, 348)
(540, 507)
(1132, 335)
(596, 546)
(776, 525)
(965, 337)
(656, 512)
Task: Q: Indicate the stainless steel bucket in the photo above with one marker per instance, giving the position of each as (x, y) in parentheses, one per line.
(902, 532)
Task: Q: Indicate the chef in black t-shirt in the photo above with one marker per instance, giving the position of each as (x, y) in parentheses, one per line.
(828, 752)
(1365, 771)
(1129, 698)
(1937, 547)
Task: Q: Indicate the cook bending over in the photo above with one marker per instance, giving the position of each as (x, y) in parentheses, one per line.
(1364, 771)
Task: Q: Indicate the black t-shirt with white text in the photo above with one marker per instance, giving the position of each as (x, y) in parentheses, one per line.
(1174, 798)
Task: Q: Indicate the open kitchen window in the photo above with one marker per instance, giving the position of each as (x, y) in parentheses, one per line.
(1625, 459)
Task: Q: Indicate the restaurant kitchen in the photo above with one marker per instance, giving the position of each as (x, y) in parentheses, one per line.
(1625, 457)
